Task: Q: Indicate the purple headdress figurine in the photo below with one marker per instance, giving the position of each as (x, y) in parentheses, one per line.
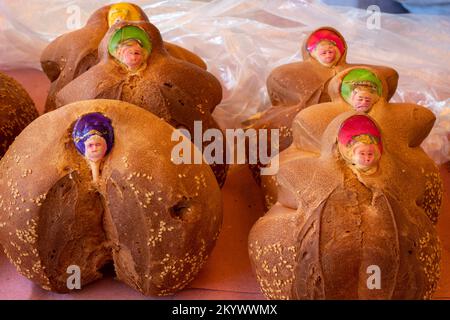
(93, 136)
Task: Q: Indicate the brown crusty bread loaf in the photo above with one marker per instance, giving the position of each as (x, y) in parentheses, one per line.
(155, 220)
(17, 110)
(337, 224)
(73, 53)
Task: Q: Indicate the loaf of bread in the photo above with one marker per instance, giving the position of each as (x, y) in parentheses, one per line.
(73, 53)
(156, 221)
(345, 224)
(174, 90)
(17, 110)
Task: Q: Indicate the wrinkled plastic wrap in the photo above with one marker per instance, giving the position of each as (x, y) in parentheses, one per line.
(242, 41)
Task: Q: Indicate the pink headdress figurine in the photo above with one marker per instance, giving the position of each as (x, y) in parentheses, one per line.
(359, 142)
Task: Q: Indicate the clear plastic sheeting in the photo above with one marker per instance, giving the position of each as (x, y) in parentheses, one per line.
(242, 41)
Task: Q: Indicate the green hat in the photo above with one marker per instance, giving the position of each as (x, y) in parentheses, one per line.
(129, 33)
(359, 77)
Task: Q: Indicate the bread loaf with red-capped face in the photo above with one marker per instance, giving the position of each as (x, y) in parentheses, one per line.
(342, 226)
(342, 231)
(156, 221)
(17, 110)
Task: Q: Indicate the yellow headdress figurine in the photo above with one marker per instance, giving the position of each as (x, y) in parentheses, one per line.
(123, 11)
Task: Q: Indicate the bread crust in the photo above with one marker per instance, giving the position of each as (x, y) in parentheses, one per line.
(17, 110)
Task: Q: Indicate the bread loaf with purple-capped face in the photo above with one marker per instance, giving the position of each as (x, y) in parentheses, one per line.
(154, 220)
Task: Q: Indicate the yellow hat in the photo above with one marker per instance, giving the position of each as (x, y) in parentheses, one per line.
(123, 11)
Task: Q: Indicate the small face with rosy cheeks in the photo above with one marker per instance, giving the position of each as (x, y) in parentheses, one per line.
(362, 100)
(365, 156)
(131, 54)
(326, 53)
(95, 148)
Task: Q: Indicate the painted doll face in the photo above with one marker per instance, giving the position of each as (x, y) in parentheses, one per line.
(326, 53)
(365, 155)
(95, 148)
(362, 100)
(359, 144)
(131, 54)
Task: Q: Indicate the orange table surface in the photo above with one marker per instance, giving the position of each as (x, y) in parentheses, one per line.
(227, 274)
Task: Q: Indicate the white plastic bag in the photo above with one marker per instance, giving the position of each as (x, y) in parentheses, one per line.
(242, 41)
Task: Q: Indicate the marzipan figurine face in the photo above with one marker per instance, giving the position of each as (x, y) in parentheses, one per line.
(326, 47)
(131, 46)
(326, 53)
(359, 143)
(95, 148)
(362, 100)
(365, 156)
(361, 89)
(93, 136)
(123, 12)
(131, 54)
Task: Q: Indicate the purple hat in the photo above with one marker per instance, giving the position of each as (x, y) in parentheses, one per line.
(92, 124)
